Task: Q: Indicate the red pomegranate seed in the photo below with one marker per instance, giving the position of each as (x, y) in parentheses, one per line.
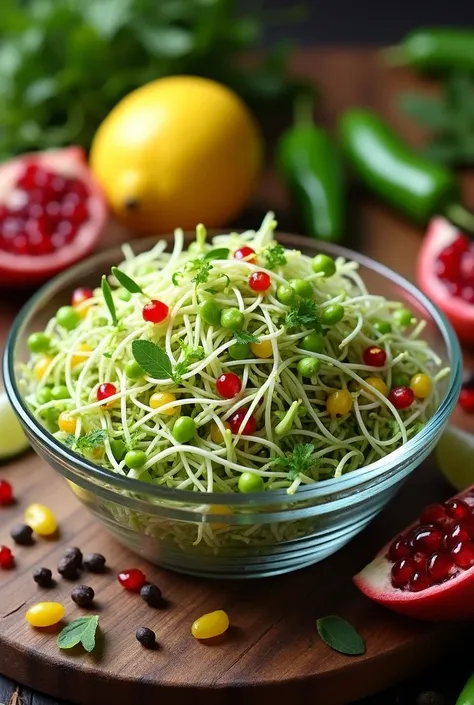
(155, 311)
(454, 288)
(467, 293)
(78, 188)
(80, 214)
(59, 185)
(448, 264)
(132, 579)
(402, 571)
(6, 558)
(81, 294)
(421, 562)
(105, 391)
(374, 356)
(457, 509)
(259, 281)
(11, 227)
(467, 267)
(463, 555)
(6, 493)
(399, 549)
(245, 252)
(466, 399)
(420, 581)
(53, 210)
(236, 420)
(433, 514)
(401, 397)
(427, 539)
(460, 244)
(27, 178)
(461, 532)
(440, 566)
(228, 385)
(19, 245)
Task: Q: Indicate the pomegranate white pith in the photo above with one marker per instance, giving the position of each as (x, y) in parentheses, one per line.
(428, 571)
(52, 213)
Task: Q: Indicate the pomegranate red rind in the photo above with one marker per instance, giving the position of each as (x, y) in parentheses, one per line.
(460, 311)
(451, 569)
(25, 264)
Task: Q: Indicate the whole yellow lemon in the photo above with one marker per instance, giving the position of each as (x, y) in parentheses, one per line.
(177, 151)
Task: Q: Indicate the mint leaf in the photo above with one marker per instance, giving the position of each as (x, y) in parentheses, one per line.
(82, 630)
(242, 337)
(340, 635)
(152, 359)
(126, 281)
(109, 300)
(275, 256)
(219, 253)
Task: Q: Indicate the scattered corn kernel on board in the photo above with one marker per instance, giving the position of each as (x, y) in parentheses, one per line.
(271, 649)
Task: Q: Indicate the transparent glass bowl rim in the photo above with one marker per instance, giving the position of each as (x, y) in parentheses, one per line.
(308, 492)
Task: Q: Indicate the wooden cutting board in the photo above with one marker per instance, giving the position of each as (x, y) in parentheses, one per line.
(271, 650)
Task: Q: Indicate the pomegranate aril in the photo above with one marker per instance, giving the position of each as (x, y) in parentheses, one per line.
(460, 244)
(467, 294)
(11, 227)
(458, 534)
(467, 267)
(80, 214)
(6, 558)
(35, 211)
(59, 185)
(78, 188)
(237, 419)
(246, 253)
(420, 581)
(259, 282)
(466, 399)
(457, 509)
(105, 391)
(53, 210)
(374, 356)
(440, 566)
(427, 539)
(20, 245)
(43, 178)
(401, 397)
(421, 562)
(402, 571)
(448, 263)
(228, 385)
(155, 311)
(433, 514)
(27, 179)
(463, 555)
(132, 579)
(399, 549)
(6, 493)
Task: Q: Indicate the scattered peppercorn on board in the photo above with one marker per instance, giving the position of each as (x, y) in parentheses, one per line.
(270, 650)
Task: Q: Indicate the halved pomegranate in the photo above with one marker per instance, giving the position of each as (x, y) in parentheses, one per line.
(428, 571)
(445, 272)
(52, 213)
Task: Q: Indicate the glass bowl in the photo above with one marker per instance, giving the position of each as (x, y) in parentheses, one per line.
(234, 535)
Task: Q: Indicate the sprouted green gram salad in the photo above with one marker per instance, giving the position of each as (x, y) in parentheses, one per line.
(234, 366)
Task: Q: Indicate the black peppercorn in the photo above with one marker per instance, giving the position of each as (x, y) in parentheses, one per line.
(74, 554)
(430, 697)
(152, 595)
(43, 577)
(82, 595)
(67, 567)
(146, 637)
(22, 534)
(94, 562)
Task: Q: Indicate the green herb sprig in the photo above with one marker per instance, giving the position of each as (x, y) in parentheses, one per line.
(275, 257)
(241, 337)
(156, 362)
(109, 299)
(299, 461)
(94, 439)
(303, 313)
(127, 282)
(81, 631)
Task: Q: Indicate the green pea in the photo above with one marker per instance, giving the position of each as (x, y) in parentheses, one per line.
(133, 370)
(313, 342)
(402, 317)
(381, 326)
(400, 379)
(124, 295)
(308, 366)
(332, 314)
(67, 317)
(118, 448)
(239, 351)
(184, 429)
(325, 264)
(232, 319)
(210, 312)
(44, 395)
(251, 482)
(39, 342)
(101, 321)
(135, 459)
(286, 294)
(302, 288)
(60, 391)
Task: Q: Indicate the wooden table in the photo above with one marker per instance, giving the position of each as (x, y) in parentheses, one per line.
(346, 77)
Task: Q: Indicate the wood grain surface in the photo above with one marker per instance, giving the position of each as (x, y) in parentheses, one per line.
(272, 650)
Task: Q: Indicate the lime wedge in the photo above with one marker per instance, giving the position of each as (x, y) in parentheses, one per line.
(12, 439)
(455, 456)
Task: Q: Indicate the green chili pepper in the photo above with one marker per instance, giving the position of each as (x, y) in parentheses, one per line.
(311, 166)
(467, 695)
(435, 49)
(403, 178)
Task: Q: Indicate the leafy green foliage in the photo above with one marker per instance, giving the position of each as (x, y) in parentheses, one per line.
(340, 635)
(275, 257)
(94, 439)
(127, 282)
(109, 299)
(65, 64)
(152, 359)
(202, 268)
(300, 460)
(190, 355)
(242, 337)
(218, 253)
(80, 631)
(303, 313)
(449, 118)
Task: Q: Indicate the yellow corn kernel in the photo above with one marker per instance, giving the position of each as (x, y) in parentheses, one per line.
(210, 625)
(263, 349)
(83, 307)
(339, 403)
(377, 384)
(81, 354)
(218, 509)
(42, 365)
(66, 422)
(216, 435)
(421, 385)
(159, 399)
